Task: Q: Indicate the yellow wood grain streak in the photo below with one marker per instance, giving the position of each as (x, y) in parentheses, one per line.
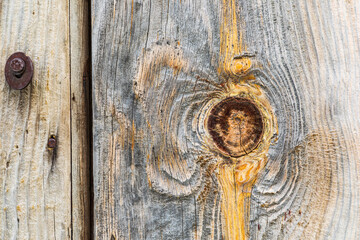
(231, 43)
(238, 175)
(233, 202)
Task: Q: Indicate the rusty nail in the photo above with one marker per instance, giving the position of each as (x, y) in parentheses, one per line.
(17, 65)
(19, 70)
(52, 142)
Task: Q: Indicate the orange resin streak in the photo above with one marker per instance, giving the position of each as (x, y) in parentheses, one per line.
(231, 42)
(237, 179)
(237, 176)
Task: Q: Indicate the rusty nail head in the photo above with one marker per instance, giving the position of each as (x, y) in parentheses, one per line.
(17, 65)
(18, 70)
(52, 142)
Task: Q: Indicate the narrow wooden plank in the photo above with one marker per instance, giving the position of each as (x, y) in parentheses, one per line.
(157, 65)
(80, 118)
(35, 181)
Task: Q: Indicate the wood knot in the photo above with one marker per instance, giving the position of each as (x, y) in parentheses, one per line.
(236, 126)
(240, 66)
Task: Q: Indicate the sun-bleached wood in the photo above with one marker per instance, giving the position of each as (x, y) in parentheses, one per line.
(35, 195)
(37, 199)
(155, 62)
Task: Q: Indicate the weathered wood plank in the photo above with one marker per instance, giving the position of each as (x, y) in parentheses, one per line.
(157, 68)
(80, 119)
(35, 181)
(38, 200)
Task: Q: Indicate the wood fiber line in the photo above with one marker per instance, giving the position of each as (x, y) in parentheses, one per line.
(156, 67)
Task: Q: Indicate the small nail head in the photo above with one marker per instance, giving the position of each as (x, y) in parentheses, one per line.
(17, 65)
(52, 142)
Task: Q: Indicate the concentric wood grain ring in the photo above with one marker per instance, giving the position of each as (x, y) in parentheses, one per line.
(236, 126)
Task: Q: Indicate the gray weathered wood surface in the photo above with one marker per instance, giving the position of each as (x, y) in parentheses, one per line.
(44, 193)
(309, 52)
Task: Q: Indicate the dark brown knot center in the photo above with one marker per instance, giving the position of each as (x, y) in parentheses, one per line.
(236, 126)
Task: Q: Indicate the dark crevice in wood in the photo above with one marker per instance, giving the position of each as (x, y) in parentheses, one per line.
(71, 137)
(86, 192)
(90, 125)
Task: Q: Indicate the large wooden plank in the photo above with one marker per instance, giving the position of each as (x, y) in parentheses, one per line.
(156, 66)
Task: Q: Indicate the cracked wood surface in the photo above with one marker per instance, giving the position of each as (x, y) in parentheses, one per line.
(156, 66)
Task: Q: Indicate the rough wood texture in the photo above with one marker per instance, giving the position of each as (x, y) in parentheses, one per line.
(36, 182)
(156, 65)
(80, 118)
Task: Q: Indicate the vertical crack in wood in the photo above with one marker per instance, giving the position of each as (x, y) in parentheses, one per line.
(81, 119)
